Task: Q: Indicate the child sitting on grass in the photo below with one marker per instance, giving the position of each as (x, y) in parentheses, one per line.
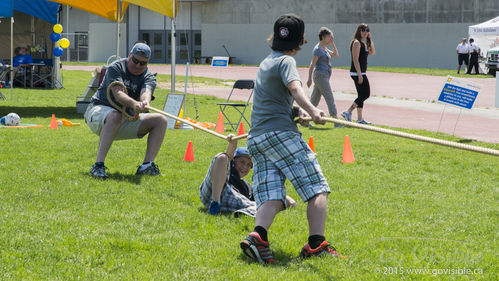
(223, 188)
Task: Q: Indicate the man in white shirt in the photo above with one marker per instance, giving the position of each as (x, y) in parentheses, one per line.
(475, 53)
(463, 52)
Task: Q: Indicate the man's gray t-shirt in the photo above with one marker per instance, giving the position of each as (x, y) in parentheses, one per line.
(323, 60)
(134, 83)
(272, 102)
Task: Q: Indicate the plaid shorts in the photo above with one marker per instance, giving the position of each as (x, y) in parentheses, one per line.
(279, 155)
(231, 200)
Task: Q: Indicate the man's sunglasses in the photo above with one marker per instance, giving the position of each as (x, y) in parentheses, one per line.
(136, 61)
(364, 29)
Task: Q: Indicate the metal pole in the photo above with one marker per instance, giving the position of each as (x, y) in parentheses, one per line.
(441, 117)
(457, 120)
(174, 51)
(497, 91)
(68, 58)
(118, 14)
(11, 56)
(185, 87)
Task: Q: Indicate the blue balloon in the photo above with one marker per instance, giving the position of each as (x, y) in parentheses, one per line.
(3, 120)
(58, 51)
(54, 37)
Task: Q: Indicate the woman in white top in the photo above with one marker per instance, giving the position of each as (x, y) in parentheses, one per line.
(463, 53)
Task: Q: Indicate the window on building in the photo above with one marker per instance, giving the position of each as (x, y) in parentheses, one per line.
(157, 54)
(145, 37)
(197, 39)
(184, 54)
(158, 39)
(184, 38)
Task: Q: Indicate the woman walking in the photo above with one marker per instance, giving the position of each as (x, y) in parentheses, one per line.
(361, 46)
(321, 69)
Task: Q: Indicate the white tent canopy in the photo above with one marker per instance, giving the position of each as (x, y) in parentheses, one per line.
(486, 34)
(490, 27)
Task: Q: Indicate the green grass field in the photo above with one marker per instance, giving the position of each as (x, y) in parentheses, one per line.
(402, 207)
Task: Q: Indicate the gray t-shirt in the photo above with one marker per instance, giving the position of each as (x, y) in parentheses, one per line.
(324, 58)
(118, 71)
(272, 102)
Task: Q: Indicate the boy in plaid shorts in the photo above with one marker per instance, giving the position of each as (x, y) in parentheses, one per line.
(224, 189)
(277, 148)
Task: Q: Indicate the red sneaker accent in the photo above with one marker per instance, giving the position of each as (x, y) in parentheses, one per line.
(323, 249)
(257, 249)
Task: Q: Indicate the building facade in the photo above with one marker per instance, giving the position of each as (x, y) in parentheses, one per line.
(407, 33)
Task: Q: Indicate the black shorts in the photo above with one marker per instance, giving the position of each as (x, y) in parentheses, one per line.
(461, 58)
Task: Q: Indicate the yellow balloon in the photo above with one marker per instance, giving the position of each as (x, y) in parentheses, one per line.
(64, 42)
(57, 28)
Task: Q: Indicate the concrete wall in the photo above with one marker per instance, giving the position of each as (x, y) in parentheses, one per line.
(351, 11)
(416, 33)
(408, 45)
(102, 41)
(407, 33)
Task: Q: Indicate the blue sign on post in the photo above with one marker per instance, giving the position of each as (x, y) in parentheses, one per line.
(220, 61)
(459, 92)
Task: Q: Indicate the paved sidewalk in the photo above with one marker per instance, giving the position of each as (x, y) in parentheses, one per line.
(398, 100)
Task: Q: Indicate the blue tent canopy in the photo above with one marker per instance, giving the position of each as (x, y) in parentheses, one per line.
(6, 8)
(42, 9)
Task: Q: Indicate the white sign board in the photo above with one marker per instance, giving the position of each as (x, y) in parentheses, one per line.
(459, 92)
(173, 105)
(220, 61)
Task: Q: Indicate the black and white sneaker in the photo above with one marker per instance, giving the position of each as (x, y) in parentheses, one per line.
(98, 171)
(150, 169)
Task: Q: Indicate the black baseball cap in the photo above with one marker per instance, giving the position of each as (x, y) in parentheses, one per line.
(289, 31)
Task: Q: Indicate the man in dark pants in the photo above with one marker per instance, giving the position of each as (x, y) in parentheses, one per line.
(475, 52)
(463, 53)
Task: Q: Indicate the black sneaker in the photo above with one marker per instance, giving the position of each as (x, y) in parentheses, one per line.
(98, 171)
(151, 170)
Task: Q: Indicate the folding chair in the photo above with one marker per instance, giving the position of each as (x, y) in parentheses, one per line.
(240, 107)
(4, 71)
(22, 77)
(43, 73)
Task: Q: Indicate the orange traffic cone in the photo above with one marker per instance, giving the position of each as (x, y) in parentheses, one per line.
(311, 143)
(189, 153)
(241, 129)
(347, 151)
(220, 124)
(53, 122)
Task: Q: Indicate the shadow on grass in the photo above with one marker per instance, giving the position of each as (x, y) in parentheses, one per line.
(465, 141)
(283, 258)
(125, 177)
(43, 111)
(322, 128)
(204, 210)
(118, 177)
